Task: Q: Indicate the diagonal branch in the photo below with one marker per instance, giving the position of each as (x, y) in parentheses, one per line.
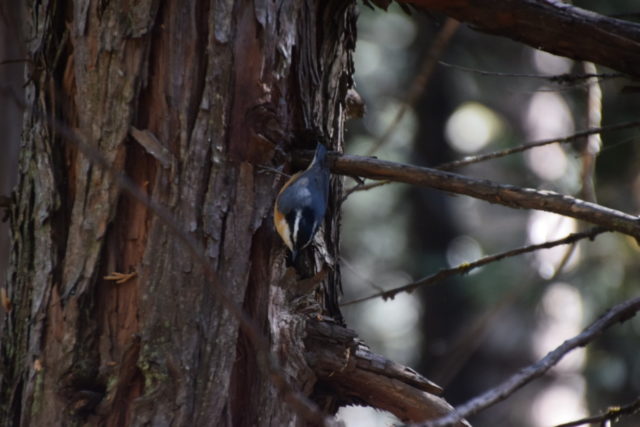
(551, 25)
(503, 194)
(466, 267)
(620, 313)
(529, 145)
(362, 187)
(565, 78)
(465, 161)
(612, 413)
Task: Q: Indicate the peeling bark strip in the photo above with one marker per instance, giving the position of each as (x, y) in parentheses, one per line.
(550, 25)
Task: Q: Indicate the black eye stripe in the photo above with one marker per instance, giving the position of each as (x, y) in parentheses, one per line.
(305, 229)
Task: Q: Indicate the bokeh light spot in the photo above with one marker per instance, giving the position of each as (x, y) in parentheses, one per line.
(557, 404)
(545, 226)
(471, 127)
(548, 116)
(548, 63)
(463, 249)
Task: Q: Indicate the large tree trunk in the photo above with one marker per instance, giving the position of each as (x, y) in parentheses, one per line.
(189, 98)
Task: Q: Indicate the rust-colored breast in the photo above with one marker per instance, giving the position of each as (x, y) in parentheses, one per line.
(279, 219)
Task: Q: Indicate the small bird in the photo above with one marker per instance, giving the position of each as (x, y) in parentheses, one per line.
(302, 203)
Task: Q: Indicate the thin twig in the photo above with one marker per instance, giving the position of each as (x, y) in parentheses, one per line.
(362, 187)
(502, 153)
(620, 313)
(611, 146)
(527, 146)
(612, 413)
(371, 283)
(503, 194)
(466, 267)
(274, 171)
(422, 78)
(559, 78)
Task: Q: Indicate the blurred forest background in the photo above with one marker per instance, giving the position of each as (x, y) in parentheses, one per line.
(470, 333)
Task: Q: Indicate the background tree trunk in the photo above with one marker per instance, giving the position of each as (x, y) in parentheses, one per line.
(11, 76)
(189, 99)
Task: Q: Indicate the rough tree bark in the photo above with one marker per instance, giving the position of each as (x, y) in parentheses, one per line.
(189, 99)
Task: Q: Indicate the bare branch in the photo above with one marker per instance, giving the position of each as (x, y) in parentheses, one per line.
(620, 313)
(558, 78)
(527, 146)
(362, 187)
(371, 283)
(611, 414)
(503, 194)
(466, 267)
(502, 153)
(551, 25)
